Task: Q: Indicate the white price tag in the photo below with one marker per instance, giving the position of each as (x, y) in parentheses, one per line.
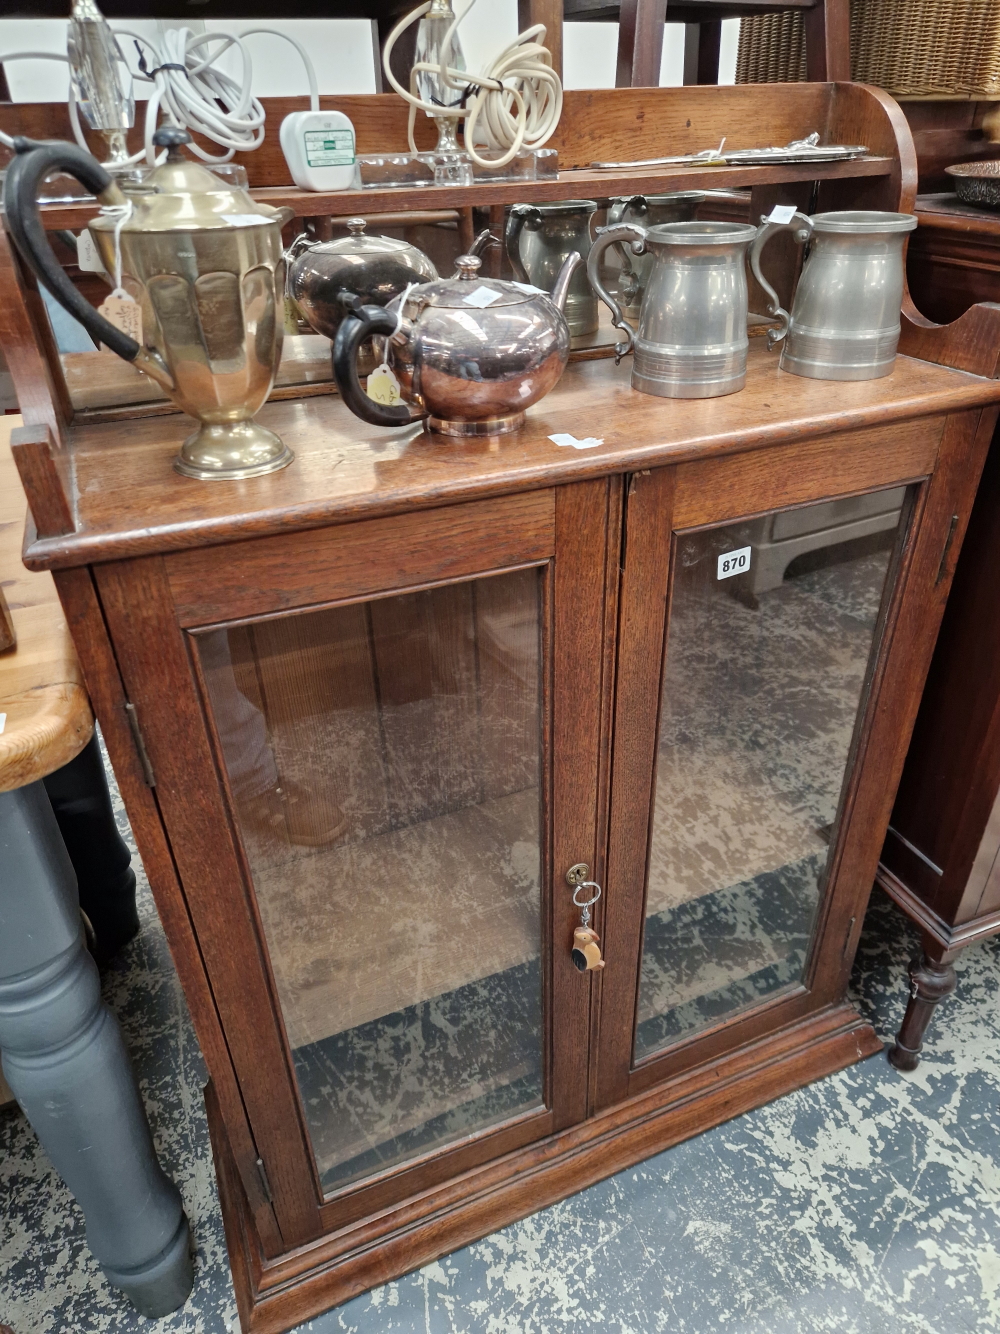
(481, 297)
(527, 287)
(564, 438)
(3, 721)
(246, 219)
(734, 562)
(88, 258)
(782, 213)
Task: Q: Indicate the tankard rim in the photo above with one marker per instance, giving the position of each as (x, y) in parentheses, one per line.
(701, 233)
(864, 222)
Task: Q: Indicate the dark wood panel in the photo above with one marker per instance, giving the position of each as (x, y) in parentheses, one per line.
(157, 674)
(584, 545)
(840, 465)
(86, 622)
(649, 510)
(952, 774)
(276, 574)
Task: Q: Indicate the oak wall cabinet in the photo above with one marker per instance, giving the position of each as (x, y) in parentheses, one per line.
(373, 714)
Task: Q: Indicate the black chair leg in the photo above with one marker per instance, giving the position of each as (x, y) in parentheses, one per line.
(102, 862)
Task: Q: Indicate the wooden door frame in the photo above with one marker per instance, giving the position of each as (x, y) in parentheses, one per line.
(152, 608)
(912, 607)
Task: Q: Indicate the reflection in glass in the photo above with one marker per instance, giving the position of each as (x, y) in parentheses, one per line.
(384, 761)
(762, 682)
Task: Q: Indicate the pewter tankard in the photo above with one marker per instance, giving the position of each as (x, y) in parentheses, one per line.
(647, 211)
(538, 239)
(844, 323)
(691, 340)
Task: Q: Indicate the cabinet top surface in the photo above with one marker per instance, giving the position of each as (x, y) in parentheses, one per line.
(132, 503)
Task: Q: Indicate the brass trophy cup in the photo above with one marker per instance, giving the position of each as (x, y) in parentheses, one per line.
(203, 261)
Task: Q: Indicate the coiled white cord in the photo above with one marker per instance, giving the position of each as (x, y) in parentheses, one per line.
(189, 87)
(515, 103)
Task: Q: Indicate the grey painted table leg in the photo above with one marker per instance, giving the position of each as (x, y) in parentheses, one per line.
(66, 1062)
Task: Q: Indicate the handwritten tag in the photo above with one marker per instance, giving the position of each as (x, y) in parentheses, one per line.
(782, 214)
(291, 316)
(383, 386)
(564, 438)
(481, 297)
(88, 257)
(124, 313)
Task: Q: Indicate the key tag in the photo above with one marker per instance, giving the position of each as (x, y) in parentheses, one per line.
(586, 953)
(124, 312)
(383, 386)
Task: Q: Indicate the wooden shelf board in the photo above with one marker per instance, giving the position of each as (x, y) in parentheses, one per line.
(131, 502)
(583, 183)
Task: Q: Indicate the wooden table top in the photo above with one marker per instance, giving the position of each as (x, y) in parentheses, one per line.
(131, 502)
(48, 718)
(948, 212)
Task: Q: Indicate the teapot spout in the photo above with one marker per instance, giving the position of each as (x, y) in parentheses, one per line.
(155, 367)
(561, 287)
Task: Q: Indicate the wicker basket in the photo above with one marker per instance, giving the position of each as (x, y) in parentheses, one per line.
(912, 48)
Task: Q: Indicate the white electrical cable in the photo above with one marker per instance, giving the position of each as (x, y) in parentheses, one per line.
(189, 88)
(516, 102)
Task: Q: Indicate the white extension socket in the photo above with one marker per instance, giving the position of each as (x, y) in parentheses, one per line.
(319, 149)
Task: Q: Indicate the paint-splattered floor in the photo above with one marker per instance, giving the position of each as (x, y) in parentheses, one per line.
(865, 1203)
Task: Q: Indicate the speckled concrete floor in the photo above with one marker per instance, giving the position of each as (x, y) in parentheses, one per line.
(865, 1203)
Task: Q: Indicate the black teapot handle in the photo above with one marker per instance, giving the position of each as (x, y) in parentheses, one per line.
(359, 323)
(32, 162)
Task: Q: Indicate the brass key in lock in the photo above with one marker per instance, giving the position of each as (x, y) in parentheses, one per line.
(586, 953)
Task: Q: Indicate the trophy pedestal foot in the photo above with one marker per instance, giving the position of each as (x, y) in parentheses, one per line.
(232, 450)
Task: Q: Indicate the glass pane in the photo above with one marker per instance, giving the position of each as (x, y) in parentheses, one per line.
(385, 763)
(763, 678)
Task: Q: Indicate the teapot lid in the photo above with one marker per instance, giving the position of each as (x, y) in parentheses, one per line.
(467, 289)
(182, 195)
(359, 242)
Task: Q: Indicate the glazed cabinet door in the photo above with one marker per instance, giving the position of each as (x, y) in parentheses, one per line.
(374, 748)
(756, 596)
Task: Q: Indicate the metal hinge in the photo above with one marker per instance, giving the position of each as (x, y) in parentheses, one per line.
(947, 548)
(140, 745)
(262, 1173)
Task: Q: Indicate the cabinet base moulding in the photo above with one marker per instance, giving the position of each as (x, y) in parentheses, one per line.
(273, 1295)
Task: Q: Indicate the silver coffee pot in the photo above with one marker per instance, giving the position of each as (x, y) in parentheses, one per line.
(646, 211)
(691, 340)
(202, 263)
(538, 239)
(844, 323)
(467, 353)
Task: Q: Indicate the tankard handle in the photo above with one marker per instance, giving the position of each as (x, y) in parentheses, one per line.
(638, 205)
(801, 228)
(635, 236)
(516, 219)
(359, 323)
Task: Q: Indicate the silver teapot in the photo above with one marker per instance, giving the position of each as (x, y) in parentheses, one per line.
(203, 263)
(647, 211)
(374, 269)
(844, 323)
(691, 340)
(468, 353)
(539, 237)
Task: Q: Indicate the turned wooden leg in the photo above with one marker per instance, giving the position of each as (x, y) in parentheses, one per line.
(931, 979)
(66, 1063)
